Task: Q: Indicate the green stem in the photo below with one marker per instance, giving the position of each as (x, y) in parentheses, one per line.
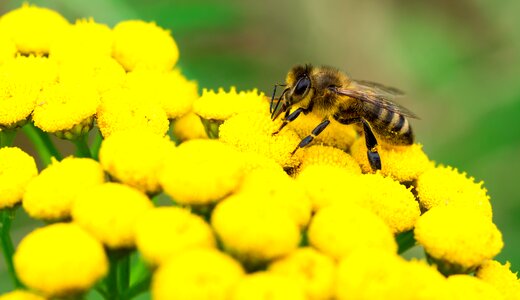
(42, 143)
(405, 241)
(96, 144)
(6, 218)
(123, 276)
(82, 149)
(118, 278)
(7, 137)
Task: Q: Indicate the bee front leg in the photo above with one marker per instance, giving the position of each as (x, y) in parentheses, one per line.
(313, 134)
(289, 117)
(373, 156)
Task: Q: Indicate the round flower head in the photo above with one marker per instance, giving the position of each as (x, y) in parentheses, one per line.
(338, 230)
(189, 127)
(59, 260)
(253, 132)
(121, 110)
(268, 286)
(501, 277)
(315, 271)
(85, 38)
(255, 161)
(458, 238)
(109, 212)
(20, 295)
(275, 189)
(66, 109)
(196, 274)
(256, 234)
(17, 168)
(7, 48)
(33, 28)
(145, 45)
(50, 195)
(468, 287)
(170, 90)
(336, 134)
(39, 71)
(326, 155)
(201, 172)
(166, 231)
(135, 158)
(402, 163)
(446, 186)
(17, 100)
(222, 105)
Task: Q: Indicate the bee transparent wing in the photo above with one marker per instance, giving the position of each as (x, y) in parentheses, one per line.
(375, 94)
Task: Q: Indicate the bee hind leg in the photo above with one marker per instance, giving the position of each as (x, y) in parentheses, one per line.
(317, 130)
(373, 156)
(289, 117)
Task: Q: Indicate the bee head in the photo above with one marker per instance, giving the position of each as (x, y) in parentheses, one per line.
(299, 83)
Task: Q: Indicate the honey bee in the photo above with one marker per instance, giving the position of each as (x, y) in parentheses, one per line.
(329, 93)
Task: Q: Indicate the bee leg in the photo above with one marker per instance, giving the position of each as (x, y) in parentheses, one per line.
(289, 118)
(306, 140)
(373, 157)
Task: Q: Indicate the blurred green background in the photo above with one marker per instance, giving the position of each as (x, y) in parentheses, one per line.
(458, 61)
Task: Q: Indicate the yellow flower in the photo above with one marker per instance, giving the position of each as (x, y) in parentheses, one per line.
(84, 39)
(336, 134)
(135, 157)
(223, 105)
(196, 274)
(66, 110)
(166, 231)
(338, 230)
(20, 295)
(501, 277)
(50, 195)
(458, 238)
(253, 132)
(145, 45)
(33, 28)
(121, 110)
(315, 271)
(255, 234)
(326, 155)
(7, 47)
(268, 286)
(38, 71)
(170, 90)
(468, 287)
(446, 186)
(109, 211)
(402, 163)
(59, 260)
(201, 172)
(255, 161)
(189, 127)
(17, 168)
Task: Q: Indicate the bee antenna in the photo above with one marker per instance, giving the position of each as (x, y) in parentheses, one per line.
(274, 94)
(273, 113)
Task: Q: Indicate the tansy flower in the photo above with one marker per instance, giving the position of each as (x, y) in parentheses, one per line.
(17, 100)
(167, 231)
(315, 271)
(253, 132)
(402, 163)
(146, 45)
(201, 172)
(196, 274)
(38, 71)
(458, 238)
(33, 28)
(446, 186)
(221, 105)
(7, 48)
(326, 155)
(256, 234)
(336, 134)
(189, 127)
(338, 230)
(135, 157)
(66, 110)
(170, 90)
(84, 39)
(60, 260)
(468, 287)
(21, 295)
(501, 277)
(17, 168)
(121, 110)
(268, 286)
(50, 195)
(109, 212)
(255, 161)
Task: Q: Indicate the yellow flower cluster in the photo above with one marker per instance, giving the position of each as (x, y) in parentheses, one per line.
(229, 212)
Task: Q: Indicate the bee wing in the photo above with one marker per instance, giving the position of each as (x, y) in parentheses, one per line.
(377, 95)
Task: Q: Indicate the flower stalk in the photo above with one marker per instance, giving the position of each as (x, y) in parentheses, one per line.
(7, 216)
(42, 143)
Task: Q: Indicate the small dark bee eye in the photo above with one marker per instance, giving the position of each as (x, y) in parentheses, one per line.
(302, 85)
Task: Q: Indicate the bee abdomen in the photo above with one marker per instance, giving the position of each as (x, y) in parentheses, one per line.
(394, 126)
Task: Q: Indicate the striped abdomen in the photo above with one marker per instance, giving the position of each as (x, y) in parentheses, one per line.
(390, 126)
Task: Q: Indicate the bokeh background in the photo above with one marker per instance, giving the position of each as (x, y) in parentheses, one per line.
(458, 61)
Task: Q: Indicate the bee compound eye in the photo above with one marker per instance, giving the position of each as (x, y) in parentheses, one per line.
(302, 86)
